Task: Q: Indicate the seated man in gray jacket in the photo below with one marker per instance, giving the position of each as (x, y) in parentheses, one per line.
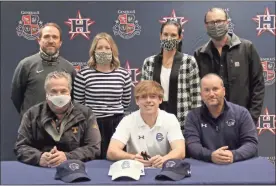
(57, 129)
(219, 131)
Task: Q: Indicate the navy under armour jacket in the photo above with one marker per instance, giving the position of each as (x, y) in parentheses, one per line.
(233, 128)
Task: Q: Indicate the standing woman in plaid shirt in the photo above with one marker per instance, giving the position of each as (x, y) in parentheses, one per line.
(177, 73)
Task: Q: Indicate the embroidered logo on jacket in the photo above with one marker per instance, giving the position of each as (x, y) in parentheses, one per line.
(230, 122)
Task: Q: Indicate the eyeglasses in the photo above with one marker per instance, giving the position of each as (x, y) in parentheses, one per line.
(217, 22)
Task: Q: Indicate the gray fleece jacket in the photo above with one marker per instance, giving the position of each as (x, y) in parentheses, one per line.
(29, 77)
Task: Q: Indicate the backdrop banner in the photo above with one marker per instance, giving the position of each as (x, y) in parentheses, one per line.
(135, 27)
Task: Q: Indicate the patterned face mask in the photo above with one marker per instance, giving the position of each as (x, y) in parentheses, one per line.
(218, 31)
(103, 58)
(48, 57)
(169, 44)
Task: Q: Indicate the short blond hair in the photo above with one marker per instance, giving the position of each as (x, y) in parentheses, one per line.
(148, 87)
(115, 53)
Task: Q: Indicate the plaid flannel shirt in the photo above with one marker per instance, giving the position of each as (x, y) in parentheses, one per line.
(188, 90)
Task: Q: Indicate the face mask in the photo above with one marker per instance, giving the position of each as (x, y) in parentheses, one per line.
(169, 44)
(103, 58)
(49, 56)
(217, 31)
(59, 101)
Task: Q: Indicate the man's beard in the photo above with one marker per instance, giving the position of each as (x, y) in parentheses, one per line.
(49, 52)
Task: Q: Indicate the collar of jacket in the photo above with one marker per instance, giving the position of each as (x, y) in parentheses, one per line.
(206, 113)
(47, 115)
(235, 40)
(173, 82)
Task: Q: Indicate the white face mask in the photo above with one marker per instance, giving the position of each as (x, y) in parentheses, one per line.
(59, 101)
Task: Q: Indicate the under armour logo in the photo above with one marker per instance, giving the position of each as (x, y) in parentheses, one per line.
(189, 172)
(141, 137)
(203, 125)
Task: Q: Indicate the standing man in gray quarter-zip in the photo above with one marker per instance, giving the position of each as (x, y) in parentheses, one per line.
(30, 73)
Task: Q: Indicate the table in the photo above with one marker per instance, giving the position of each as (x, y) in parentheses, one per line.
(254, 171)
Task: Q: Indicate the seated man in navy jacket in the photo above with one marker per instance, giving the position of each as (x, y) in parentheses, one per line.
(219, 131)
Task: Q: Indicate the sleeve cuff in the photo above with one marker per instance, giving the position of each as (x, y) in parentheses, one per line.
(234, 155)
(208, 156)
(39, 154)
(119, 139)
(68, 155)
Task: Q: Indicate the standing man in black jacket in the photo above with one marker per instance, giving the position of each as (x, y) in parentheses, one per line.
(235, 60)
(30, 73)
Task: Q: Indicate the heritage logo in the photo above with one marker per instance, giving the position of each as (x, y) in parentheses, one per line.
(126, 24)
(29, 25)
(79, 65)
(269, 70)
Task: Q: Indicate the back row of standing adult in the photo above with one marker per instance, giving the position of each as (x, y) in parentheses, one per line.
(234, 59)
(103, 85)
